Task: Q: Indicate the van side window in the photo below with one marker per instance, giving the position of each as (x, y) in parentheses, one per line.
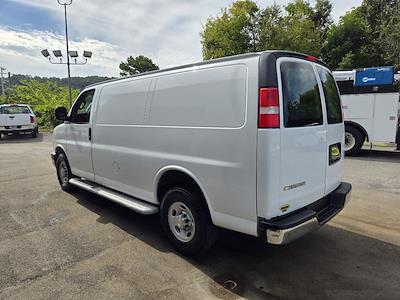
(81, 110)
(301, 99)
(332, 98)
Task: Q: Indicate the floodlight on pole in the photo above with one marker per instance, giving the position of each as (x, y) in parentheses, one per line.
(73, 54)
(45, 53)
(57, 53)
(87, 54)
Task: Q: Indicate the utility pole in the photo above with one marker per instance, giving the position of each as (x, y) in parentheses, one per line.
(2, 81)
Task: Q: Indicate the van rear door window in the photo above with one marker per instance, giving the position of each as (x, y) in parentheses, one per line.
(301, 98)
(332, 98)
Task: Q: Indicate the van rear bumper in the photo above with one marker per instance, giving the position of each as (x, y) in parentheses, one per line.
(285, 229)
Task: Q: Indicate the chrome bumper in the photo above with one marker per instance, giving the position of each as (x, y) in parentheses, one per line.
(287, 229)
(285, 236)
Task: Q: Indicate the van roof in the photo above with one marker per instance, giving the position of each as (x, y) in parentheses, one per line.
(275, 53)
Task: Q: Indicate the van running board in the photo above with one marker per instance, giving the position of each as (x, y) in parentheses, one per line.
(122, 199)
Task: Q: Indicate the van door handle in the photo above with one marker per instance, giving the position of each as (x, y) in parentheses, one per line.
(90, 134)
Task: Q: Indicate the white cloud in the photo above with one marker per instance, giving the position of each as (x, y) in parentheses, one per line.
(168, 31)
(20, 53)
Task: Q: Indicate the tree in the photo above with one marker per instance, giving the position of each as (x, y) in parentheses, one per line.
(322, 17)
(390, 37)
(347, 44)
(271, 28)
(300, 32)
(136, 65)
(43, 97)
(243, 27)
(235, 31)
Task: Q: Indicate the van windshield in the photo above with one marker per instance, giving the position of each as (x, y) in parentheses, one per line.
(14, 110)
(332, 98)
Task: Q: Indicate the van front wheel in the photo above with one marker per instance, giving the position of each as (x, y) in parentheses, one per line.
(186, 221)
(64, 173)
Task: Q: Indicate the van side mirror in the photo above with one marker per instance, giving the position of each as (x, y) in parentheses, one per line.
(61, 113)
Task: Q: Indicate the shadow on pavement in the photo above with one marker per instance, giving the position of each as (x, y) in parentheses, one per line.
(377, 155)
(331, 263)
(20, 138)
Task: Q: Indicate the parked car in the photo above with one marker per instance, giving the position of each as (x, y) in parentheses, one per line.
(252, 143)
(18, 119)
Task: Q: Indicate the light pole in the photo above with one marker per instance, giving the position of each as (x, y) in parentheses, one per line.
(65, 3)
(73, 54)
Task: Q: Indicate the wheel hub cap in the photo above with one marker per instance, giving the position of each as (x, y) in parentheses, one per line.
(349, 141)
(63, 172)
(181, 222)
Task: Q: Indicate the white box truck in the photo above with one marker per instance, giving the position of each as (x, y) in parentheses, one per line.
(370, 105)
(252, 143)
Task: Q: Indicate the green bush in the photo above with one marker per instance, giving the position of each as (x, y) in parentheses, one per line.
(43, 97)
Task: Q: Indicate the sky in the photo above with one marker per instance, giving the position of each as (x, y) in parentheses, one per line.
(166, 31)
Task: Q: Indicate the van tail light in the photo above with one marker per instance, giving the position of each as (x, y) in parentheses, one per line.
(32, 119)
(311, 58)
(268, 108)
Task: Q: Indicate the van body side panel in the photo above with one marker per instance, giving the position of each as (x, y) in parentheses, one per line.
(213, 97)
(201, 119)
(377, 113)
(120, 107)
(385, 117)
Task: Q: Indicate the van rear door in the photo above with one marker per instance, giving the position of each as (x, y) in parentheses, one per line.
(334, 127)
(303, 137)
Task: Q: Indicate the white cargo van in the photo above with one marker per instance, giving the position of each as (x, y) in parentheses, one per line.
(252, 143)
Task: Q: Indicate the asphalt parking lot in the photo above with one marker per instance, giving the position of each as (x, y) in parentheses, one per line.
(59, 245)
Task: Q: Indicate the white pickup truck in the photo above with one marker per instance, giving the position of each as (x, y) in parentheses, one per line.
(17, 119)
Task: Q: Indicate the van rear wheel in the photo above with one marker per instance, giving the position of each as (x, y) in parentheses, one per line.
(186, 221)
(353, 140)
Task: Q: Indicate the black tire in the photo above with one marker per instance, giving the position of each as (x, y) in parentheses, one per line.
(63, 178)
(34, 134)
(359, 138)
(204, 234)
